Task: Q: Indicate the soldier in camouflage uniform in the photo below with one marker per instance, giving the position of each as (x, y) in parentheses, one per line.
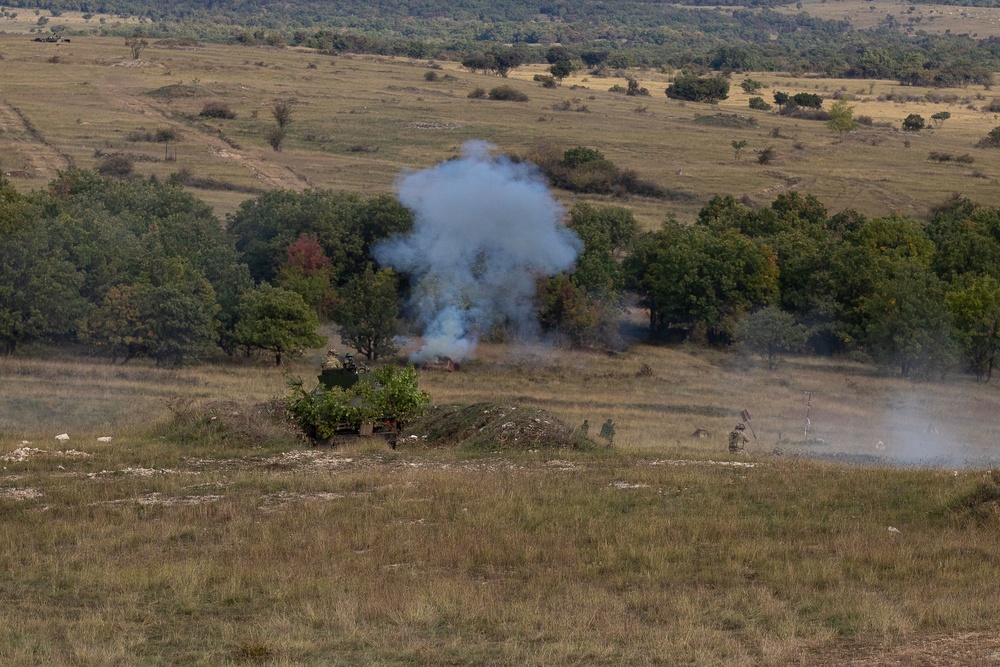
(737, 439)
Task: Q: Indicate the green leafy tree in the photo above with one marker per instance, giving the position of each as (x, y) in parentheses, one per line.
(368, 313)
(738, 146)
(905, 322)
(278, 321)
(974, 304)
(699, 281)
(913, 123)
(770, 332)
(116, 326)
(307, 273)
(698, 89)
(751, 86)
(841, 117)
(781, 99)
(178, 306)
(940, 117)
(39, 283)
(561, 69)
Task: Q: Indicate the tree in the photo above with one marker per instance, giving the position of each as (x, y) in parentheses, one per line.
(276, 320)
(991, 140)
(738, 146)
(913, 123)
(751, 86)
(281, 110)
(974, 304)
(940, 117)
(368, 313)
(807, 100)
(561, 69)
(841, 117)
(39, 281)
(137, 44)
(770, 332)
(307, 273)
(759, 104)
(116, 325)
(698, 89)
(700, 281)
(781, 99)
(178, 306)
(903, 319)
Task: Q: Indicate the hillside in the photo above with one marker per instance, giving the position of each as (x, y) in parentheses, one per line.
(359, 120)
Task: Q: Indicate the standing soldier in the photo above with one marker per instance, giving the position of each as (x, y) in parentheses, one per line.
(608, 431)
(737, 439)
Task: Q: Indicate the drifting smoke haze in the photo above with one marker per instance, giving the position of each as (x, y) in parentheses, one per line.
(484, 229)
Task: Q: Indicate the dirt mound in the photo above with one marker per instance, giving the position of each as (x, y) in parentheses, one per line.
(493, 426)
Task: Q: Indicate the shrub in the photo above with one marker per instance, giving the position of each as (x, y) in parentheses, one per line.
(477, 94)
(913, 123)
(697, 89)
(759, 104)
(431, 76)
(751, 86)
(116, 165)
(993, 106)
(217, 110)
(507, 94)
(991, 140)
(767, 155)
(547, 80)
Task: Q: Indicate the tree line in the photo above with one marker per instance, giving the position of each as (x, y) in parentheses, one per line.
(140, 268)
(596, 35)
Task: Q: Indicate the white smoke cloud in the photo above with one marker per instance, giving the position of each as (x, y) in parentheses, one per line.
(484, 228)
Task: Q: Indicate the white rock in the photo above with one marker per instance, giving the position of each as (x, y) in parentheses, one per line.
(893, 529)
(104, 438)
(62, 437)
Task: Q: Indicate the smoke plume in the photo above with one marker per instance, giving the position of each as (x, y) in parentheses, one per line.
(484, 229)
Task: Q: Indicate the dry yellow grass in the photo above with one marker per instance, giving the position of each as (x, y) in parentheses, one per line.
(981, 22)
(359, 121)
(177, 546)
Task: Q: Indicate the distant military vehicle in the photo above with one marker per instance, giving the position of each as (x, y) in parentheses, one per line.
(440, 363)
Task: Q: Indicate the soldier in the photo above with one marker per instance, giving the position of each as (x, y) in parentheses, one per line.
(737, 439)
(331, 361)
(608, 431)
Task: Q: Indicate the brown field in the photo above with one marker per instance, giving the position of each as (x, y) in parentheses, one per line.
(183, 544)
(358, 121)
(978, 22)
(191, 541)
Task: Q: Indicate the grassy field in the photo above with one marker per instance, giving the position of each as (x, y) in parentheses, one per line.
(204, 542)
(359, 121)
(977, 22)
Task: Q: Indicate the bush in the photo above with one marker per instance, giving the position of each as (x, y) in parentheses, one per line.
(913, 123)
(116, 165)
(991, 140)
(431, 76)
(993, 106)
(697, 89)
(547, 80)
(217, 110)
(507, 94)
(759, 104)
(388, 394)
(767, 155)
(477, 94)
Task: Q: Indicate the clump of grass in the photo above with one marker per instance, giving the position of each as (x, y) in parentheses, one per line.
(229, 424)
